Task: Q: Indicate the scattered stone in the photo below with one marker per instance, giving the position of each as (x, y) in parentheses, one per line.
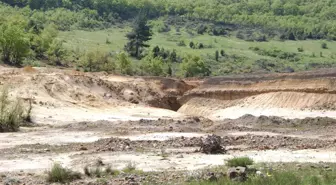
(237, 174)
(212, 145)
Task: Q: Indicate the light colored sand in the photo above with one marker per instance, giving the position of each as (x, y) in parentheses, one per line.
(154, 162)
(67, 115)
(163, 136)
(238, 111)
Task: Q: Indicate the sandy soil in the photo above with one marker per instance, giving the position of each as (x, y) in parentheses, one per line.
(159, 123)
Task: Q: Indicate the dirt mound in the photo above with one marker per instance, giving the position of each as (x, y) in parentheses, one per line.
(292, 96)
(65, 87)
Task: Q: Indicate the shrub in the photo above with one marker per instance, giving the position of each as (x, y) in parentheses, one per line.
(152, 65)
(181, 43)
(62, 175)
(124, 64)
(300, 49)
(222, 52)
(192, 45)
(240, 161)
(324, 45)
(130, 167)
(11, 114)
(194, 66)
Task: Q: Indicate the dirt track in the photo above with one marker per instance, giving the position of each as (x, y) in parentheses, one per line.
(79, 118)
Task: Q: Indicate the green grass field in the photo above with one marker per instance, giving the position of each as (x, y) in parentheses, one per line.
(311, 56)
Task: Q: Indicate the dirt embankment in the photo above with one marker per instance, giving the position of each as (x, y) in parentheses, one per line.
(268, 95)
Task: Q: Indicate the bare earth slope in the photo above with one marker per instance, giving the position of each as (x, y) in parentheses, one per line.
(81, 118)
(64, 96)
(301, 95)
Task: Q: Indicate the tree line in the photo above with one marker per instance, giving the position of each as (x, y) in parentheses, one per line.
(298, 19)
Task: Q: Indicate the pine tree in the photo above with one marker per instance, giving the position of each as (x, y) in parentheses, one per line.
(137, 38)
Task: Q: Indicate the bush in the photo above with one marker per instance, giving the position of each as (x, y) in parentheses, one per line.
(62, 175)
(194, 66)
(14, 45)
(152, 65)
(300, 49)
(240, 161)
(181, 43)
(124, 64)
(11, 114)
(324, 45)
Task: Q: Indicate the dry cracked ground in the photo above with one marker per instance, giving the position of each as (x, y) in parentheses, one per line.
(157, 124)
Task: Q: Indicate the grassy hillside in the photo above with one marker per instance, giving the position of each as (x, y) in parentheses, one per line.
(245, 62)
(190, 38)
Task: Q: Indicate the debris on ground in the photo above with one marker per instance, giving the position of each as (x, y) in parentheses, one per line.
(212, 145)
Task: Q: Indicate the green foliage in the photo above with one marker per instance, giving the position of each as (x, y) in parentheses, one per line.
(94, 61)
(124, 64)
(217, 55)
(290, 177)
(41, 42)
(300, 49)
(276, 53)
(153, 65)
(222, 52)
(194, 66)
(62, 175)
(192, 45)
(138, 37)
(14, 45)
(11, 113)
(324, 45)
(295, 19)
(240, 161)
(56, 52)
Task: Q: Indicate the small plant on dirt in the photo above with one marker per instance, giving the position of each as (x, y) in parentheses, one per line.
(240, 161)
(62, 175)
(11, 113)
(99, 171)
(164, 154)
(130, 167)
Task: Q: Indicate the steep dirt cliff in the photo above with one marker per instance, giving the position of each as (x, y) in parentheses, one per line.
(289, 95)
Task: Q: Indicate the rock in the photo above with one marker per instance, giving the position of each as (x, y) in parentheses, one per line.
(260, 174)
(212, 145)
(211, 177)
(237, 174)
(180, 156)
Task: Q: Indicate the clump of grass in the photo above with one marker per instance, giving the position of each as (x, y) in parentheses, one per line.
(279, 178)
(62, 175)
(130, 167)
(11, 113)
(240, 161)
(99, 172)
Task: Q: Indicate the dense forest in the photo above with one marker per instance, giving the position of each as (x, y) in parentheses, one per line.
(299, 19)
(29, 30)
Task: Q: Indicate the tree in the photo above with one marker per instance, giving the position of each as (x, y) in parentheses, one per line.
(324, 45)
(173, 56)
(14, 45)
(217, 55)
(156, 51)
(191, 45)
(137, 38)
(222, 52)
